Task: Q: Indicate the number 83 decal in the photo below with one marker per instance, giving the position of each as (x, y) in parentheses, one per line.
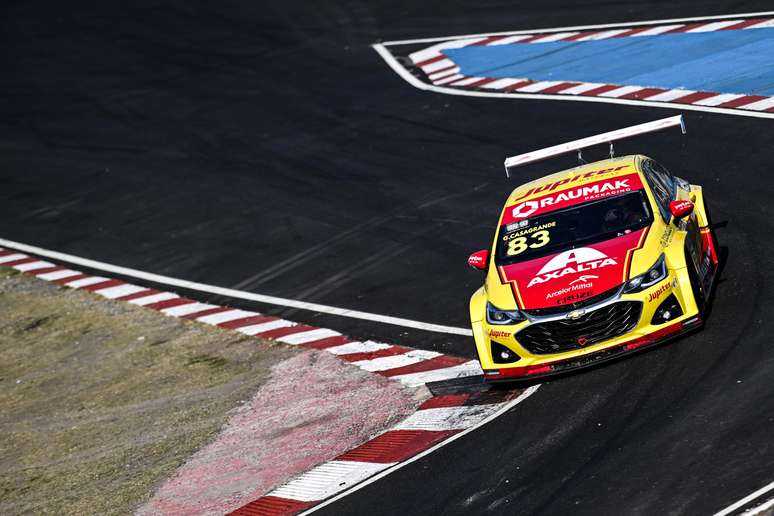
(519, 244)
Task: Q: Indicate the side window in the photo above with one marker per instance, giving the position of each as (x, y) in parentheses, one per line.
(664, 176)
(662, 185)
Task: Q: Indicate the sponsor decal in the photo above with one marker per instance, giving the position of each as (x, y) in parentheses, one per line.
(514, 234)
(553, 186)
(572, 262)
(574, 297)
(584, 278)
(499, 333)
(571, 294)
(660, 290)
(569, 276)
(517, 225)
(571, 196)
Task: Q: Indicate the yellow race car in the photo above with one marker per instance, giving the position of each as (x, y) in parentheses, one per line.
(592, 263)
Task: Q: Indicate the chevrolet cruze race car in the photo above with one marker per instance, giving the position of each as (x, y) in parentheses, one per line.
(591, 263)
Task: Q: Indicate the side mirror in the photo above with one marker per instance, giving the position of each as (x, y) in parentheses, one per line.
(479, 260)
(680, 209)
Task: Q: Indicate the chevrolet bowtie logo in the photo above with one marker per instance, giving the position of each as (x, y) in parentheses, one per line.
(575, 314)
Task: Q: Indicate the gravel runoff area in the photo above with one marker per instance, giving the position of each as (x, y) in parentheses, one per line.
(108, 408)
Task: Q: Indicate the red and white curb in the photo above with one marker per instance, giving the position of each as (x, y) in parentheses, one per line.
(439, 419)
(443, 75)
(409, 366)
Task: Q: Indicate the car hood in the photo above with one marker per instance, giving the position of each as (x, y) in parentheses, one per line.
(571, 276)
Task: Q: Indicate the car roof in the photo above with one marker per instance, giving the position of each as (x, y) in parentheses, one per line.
(628, 164)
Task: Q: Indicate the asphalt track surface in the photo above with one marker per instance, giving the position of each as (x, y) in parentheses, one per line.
(265, 146)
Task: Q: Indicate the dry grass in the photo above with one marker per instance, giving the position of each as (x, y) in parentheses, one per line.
(100, 401)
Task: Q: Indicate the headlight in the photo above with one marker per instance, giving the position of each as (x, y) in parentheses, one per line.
(655, 274)
(496, 316)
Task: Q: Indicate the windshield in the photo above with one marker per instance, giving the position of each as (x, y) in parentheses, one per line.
(572, 227)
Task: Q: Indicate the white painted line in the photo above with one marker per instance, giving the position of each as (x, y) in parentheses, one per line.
(447, 418)
(539, 86)
(509, 40)
(438, 65)
(620, 92)
(230, 315)
(85, 282)
(12, 257)
(449, 79)
(186, 309)
(255, 329)
(120, 291)
(446, 73)
(503, 408)
(670, 95)
(471, 368)
(760, 105)
(709, 27)
(501, 83)
(657, 30)
(237, 294)
(26, 267)
(466, 81)
(393, 361)
(153, 298)
(718, 99)
(309, 336)
(603, 35)
(582, 88)
(51, 276)
(358, 347)
(747, 499)
(328, 479)
(553, 37)
(631, 24)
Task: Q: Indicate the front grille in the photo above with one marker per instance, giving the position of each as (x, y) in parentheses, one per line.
(540, 312)
(591, 328)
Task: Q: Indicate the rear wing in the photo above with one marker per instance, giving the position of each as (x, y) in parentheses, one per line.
(609, 138)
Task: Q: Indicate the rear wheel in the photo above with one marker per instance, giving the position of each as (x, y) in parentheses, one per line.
(699, 295)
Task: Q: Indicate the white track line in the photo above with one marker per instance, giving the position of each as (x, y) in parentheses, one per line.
(237, 294)
(503, 409)
(51, 276)
(308, 336)
(120, 291)
(747, 499)
(85, 282)
(230, 315)
(32, 266)
(255, 329)
(153, 298)
(577, 28)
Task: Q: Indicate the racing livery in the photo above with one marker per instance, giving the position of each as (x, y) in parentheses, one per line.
(591, 263)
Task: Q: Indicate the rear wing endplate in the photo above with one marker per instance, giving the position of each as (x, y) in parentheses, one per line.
(609, 138)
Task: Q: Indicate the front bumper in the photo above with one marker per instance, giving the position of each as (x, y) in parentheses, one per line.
(597, 357)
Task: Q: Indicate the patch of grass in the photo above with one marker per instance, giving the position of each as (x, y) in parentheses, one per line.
(100, 401)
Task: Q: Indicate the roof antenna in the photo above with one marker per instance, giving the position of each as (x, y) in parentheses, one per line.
(581, 161)
(612, 151)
